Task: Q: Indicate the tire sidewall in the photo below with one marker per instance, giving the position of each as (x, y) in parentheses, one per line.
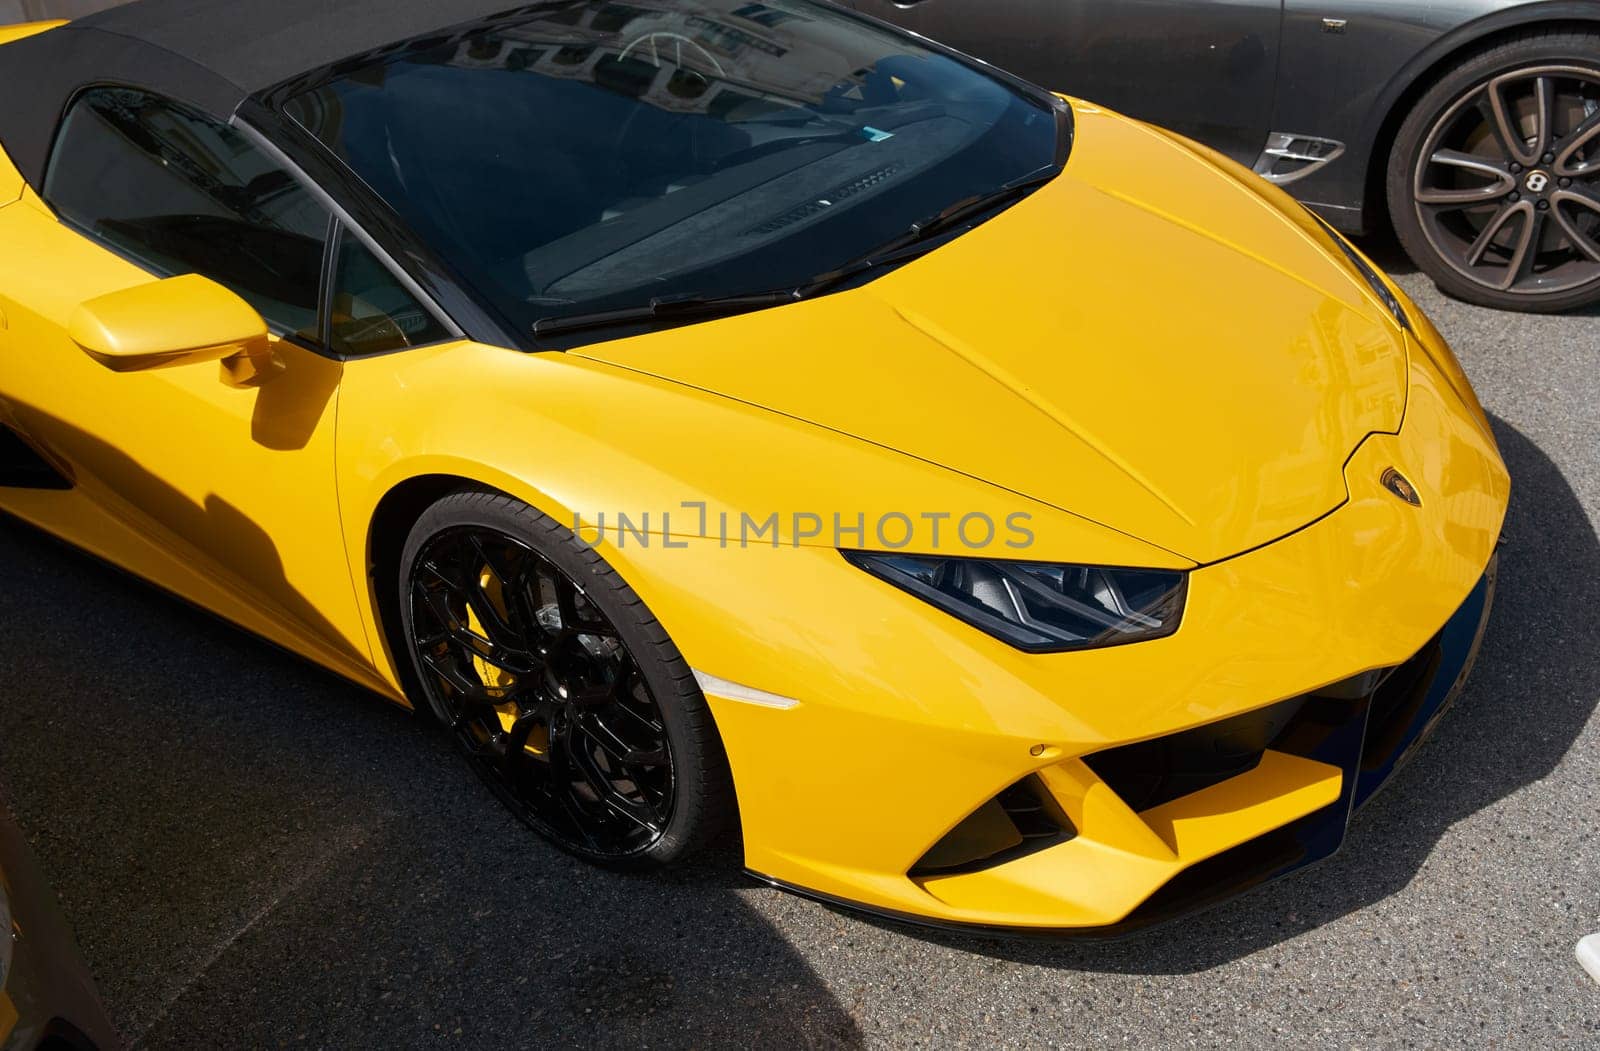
(1577, 49)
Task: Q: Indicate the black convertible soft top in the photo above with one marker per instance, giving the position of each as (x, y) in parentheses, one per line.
(211, 54)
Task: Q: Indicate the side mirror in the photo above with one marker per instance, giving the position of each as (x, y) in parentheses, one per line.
(177, 321)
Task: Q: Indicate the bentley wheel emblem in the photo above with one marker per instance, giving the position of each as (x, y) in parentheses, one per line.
(1401, 486)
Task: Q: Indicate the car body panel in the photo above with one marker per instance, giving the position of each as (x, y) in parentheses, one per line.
(236, 483)
(1211, 81)
(1062, 350)
(546, 444)
(23, 30)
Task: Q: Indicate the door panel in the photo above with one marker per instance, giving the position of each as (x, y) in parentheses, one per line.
(1205, 68)
(236, 483)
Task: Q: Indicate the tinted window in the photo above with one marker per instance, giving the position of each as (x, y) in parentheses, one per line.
(181, 193)
(596, 154)
(371, 312)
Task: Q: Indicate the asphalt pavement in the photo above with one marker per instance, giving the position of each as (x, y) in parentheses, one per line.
(255, 853)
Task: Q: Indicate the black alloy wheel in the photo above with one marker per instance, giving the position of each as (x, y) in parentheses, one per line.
(1495, 182)
(564, 693)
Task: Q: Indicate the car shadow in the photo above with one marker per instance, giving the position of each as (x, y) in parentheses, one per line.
(1382, 246)
(242, 840)
(1530, 696)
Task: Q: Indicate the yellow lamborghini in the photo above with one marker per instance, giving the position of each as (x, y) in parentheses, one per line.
(711, 411)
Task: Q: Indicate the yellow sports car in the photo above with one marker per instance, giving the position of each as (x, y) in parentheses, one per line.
(711, 411)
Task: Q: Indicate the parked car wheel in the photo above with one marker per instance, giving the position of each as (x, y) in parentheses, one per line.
(1494, 182)
(564, 692)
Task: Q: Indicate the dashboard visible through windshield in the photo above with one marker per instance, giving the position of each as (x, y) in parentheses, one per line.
(597, 155)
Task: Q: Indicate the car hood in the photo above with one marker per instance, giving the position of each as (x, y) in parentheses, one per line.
(1148, 342)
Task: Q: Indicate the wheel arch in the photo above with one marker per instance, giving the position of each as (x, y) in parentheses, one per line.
(389, 526)
(397, 497)
(1426, 69)
(391, 521)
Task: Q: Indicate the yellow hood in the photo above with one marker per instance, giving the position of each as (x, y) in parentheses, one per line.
(1144, 342)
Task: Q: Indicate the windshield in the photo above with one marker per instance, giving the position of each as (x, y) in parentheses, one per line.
(597, 155)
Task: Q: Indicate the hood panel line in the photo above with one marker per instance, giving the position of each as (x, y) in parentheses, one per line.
(1232, 246)
(1020, 389)
(887, 448)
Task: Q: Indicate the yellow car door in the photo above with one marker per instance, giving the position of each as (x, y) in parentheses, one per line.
(228, 468)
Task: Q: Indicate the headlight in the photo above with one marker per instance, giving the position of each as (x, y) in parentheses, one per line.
(1377, 282)
(1040, 607)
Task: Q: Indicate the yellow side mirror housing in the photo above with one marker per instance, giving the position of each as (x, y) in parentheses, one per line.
(176, 321)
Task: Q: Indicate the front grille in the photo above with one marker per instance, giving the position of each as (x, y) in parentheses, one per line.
(1020, 820)
(1364, 725)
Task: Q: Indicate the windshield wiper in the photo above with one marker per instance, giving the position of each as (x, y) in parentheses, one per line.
(919, 238)
(978, 203)
(665, 308)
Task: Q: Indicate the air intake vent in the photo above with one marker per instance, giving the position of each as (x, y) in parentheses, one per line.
(1158, 771)
(1022, 819)
(823, 203)
(1288, 158)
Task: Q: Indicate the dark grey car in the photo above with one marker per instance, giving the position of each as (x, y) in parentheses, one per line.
(1474, 125)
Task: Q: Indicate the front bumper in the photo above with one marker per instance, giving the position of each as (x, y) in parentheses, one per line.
(1325, 755)
(908, 723)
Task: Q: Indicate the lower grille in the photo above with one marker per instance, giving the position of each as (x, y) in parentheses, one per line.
(1150, 773)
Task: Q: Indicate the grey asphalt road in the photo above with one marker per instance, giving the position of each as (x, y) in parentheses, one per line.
(254, 853)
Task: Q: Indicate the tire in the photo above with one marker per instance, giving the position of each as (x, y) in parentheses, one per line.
(559, 691)
(1510, 217)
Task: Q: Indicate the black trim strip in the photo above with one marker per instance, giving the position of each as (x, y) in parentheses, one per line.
(315, 187)
(330, 263)
(426, 276)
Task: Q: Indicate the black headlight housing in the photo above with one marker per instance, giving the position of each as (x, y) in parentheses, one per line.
(1040, 607)
(1380, 287)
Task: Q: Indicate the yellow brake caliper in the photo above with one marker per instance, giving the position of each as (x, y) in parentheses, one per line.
(498, 678)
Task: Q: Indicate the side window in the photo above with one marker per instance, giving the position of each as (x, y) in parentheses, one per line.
(371, 312)
(181, 193)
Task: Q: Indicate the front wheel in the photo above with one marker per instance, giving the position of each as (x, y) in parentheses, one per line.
(565, 694)
(1494, 182)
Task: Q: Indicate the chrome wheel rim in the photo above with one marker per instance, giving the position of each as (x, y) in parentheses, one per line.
(1507, 185)
(541, 692)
